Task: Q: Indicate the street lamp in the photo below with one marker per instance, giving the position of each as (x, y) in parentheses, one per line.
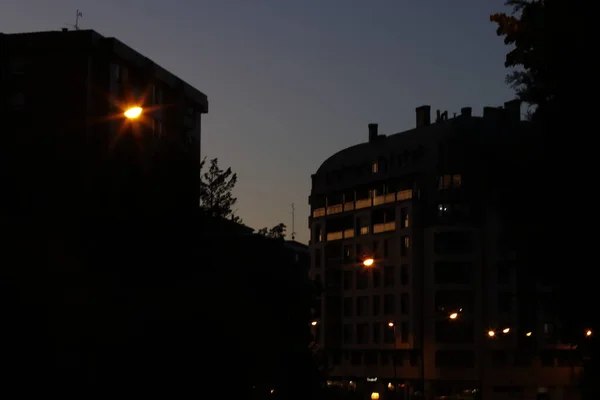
(133, 112)
(505, 330)
(588, 333)
(528, 334)
(491, 333)
(453, 315)
(314, 323)
(392, 325)
(367, 262)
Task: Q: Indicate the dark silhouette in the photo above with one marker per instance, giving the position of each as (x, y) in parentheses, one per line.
(216, 186)
(276, 232)
(551, 42)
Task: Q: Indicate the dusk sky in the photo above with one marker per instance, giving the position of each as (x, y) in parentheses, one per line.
(290, 82)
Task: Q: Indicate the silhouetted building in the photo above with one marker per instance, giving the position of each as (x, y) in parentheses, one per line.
(441, 284)
(66, 140)
(301, 255)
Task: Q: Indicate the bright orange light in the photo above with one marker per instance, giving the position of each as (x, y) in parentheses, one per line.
(588, 333)
(391, 324)
(453, 315)
(133, 112)
(368, 262)
(314, 323)
(375, 396)
(528, 334)
(491, 333)
(505, 330)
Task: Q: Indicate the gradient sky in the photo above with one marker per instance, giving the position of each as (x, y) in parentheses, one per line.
(290, 82)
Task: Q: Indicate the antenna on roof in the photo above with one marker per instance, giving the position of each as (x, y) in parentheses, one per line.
(78, 14)
(293, 220)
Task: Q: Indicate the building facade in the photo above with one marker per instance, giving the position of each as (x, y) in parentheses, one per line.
(63, 95)
(438, 312)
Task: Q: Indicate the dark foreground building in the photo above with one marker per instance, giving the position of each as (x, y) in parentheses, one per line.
(441, 310)
(66, 141)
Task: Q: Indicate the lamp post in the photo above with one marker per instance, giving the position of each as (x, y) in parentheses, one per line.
(392, 325)
(133, 112)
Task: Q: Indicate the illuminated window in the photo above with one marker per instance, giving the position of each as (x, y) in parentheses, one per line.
(450, 181)
(375, 167)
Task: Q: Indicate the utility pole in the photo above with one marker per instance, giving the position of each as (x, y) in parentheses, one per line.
(293, 221)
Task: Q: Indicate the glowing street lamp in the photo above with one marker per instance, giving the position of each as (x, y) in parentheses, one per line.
(491, 333)
(368, 262)
(133, 112)
(528, 334)
(391, 324)
(588, 333)
(453, 315)
(505, 330)
(314, 323)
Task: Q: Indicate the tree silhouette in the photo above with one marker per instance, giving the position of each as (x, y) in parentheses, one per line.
(276, 232)
(216, 187)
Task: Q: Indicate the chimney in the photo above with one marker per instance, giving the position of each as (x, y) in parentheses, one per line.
(372, 132)
(423, 116)
(466, 112)
(513, 110)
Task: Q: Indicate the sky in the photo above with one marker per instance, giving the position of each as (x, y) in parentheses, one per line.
(291, 82)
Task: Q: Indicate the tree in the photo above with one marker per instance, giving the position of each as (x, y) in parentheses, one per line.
(276, 232)
(216, 187)
(551, 60)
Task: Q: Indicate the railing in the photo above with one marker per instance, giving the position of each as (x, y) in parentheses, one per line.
(405, 195)
(401, 195)
(362, 203)
(378, 200)
(384, 227)
(335, 235)
(335, 209)
(319, 212)
(349, 233)
(390, 198)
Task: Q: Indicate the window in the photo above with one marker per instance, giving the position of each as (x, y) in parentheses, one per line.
(355, 357)
(385, 357)
(362, 333)
(388, 276)
(388, 304)
(318, 258)
(404, 303)
(347, 280)
(404, 274)
(376, 278)
(362, 306)
(454, 331)
(404, 332)
(362, 279)
(448, 301)
(404, 223)
(347, 306)
(404, 246)
(386, 248)
(454, 359)
(370, 357)
(318, 237)
(376, 249)
(347, 333)
(376, 338)
(503, 274)
(452, 243)
(349, 257)
(389, 335)
(376, 305)
(375, 167)
(504, 302)
(452, 181)
(452, 272)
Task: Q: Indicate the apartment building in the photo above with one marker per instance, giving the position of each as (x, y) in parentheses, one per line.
(63, 97)
(420, 298)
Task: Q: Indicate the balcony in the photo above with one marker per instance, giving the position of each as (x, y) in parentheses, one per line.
(335, 209)
(362, 203)
(349, 206)
(339, 235)
(389, 198)
(384, 227)
(404, 194)
(319, 212)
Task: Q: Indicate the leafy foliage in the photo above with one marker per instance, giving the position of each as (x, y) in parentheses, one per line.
(276, 232)
(216, 190)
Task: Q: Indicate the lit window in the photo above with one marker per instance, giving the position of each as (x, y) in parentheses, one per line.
(375, 167)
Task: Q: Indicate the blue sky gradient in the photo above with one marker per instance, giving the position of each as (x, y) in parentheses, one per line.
(291, 82)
